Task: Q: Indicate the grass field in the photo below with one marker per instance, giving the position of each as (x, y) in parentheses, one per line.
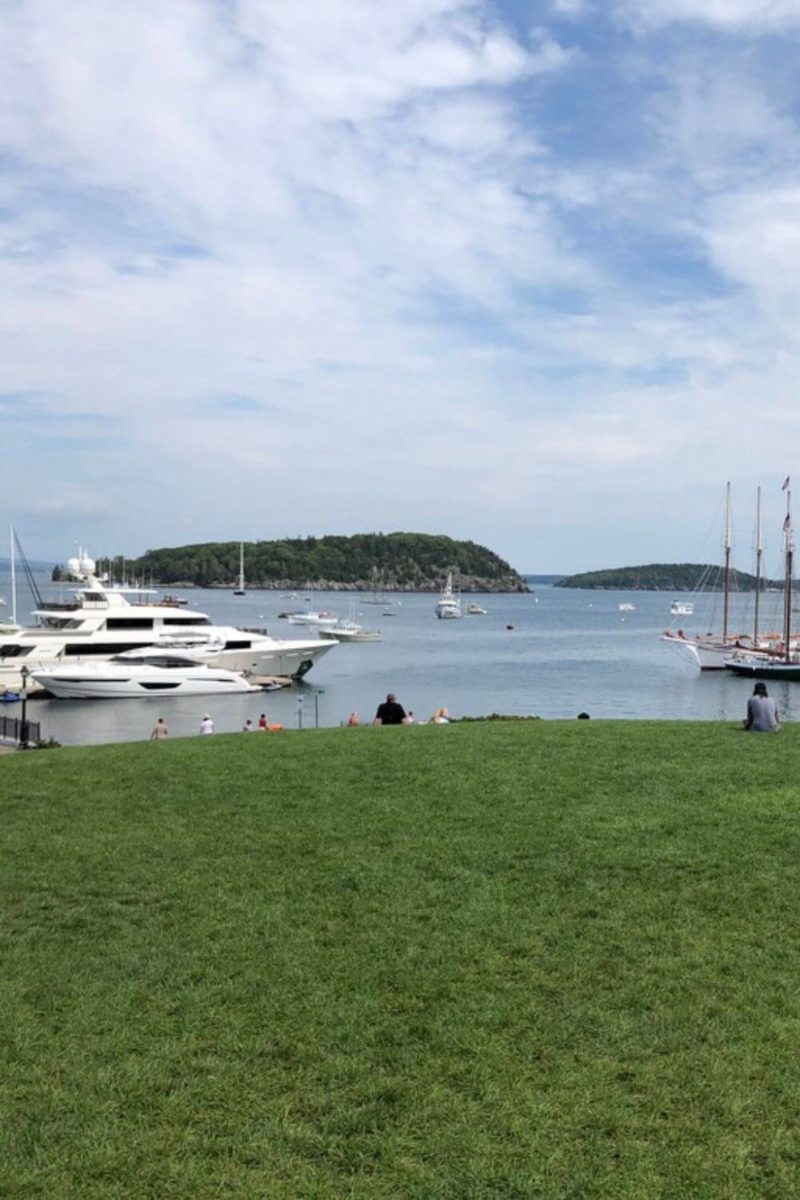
(521, 959)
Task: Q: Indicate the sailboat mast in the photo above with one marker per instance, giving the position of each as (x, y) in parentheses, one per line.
(787, 594)
(759, 556)
(13, 578)
(727, 548)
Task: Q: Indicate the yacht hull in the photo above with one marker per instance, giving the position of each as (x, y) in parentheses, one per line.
(99, 684)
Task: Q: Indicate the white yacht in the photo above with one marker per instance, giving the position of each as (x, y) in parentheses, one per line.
(148, 672)
(102, 622)
(448, 606)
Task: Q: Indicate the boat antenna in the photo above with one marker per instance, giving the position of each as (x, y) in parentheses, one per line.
(787, 595)
(759, 556)
(26, 566)
(727, 549)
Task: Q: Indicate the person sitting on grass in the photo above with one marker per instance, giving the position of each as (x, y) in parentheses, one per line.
(440, 717)
(390, 712)
(762, 711)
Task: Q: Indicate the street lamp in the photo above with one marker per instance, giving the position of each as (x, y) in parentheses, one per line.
(23, 733)
(319, 692)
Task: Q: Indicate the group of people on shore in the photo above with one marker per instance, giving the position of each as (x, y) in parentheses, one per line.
(762, 717)
(391, 712)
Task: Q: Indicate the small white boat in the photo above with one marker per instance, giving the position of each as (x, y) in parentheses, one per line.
(344, 631)
(626, 607)
(476, 610)
(315, 620)
(448, 606)
(149, 672)
(681, 608)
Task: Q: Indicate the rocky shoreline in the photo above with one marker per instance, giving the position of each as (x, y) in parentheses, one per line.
(466, 584)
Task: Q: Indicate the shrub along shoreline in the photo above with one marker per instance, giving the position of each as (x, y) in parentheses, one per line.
(487, 959)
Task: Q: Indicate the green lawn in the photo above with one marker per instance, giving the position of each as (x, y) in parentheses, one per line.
(518, 959)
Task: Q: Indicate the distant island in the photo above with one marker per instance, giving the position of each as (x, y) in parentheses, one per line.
(664, 577)
(390, 562)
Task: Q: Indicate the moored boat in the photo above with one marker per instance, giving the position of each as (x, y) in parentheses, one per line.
(148, 672)
(448, 606)
(102, 622)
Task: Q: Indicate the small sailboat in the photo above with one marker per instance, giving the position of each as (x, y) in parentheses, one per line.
(239, 590)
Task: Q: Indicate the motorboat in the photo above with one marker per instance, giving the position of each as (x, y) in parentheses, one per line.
(317, 620)
(476, 610)
(448, 606)
(348, 631)
(101, 621)
(173, 601)
(148, 672)
(626, 607)
(681, 608)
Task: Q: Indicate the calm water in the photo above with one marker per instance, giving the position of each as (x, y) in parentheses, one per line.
(568, 651)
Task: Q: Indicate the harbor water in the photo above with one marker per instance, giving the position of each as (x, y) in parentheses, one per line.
(553, 653)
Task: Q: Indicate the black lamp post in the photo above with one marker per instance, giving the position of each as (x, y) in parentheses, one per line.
(23, 733)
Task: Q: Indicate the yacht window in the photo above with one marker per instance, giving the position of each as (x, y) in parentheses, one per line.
(238, 645)
(13, 651)
(185, 621)
(129, 623)
(94, 596)
(108, 650)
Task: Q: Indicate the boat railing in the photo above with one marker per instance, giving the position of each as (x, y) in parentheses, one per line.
(250, 629)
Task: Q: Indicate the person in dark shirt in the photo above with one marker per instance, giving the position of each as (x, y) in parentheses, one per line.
(390, 712)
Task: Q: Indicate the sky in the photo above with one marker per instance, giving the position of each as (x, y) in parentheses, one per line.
(521, 272)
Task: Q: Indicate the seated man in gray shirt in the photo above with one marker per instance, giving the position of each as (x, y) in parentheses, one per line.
(762, 711)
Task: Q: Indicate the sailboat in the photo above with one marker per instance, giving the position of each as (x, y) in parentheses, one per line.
(378, 595)
(782, 661)
(448, 606)
(239, 590)
(711, 651)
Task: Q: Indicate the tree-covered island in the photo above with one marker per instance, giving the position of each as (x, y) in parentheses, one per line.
(664, 577)
(392, 562)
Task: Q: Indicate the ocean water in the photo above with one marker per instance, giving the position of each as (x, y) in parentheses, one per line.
(567, 651)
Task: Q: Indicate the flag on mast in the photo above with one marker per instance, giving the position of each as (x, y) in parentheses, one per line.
(785, 484)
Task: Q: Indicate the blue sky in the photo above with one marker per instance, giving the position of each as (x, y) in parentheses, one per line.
(526, 273)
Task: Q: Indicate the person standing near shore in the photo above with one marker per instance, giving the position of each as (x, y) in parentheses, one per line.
(762, 711)
(207, 725)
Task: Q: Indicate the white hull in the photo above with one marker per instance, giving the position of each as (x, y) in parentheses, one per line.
(96, 685)
(712, 654)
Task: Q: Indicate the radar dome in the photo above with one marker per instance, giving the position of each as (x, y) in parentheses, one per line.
(73, 566)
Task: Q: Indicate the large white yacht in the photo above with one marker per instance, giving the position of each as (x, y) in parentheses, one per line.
(102, 622)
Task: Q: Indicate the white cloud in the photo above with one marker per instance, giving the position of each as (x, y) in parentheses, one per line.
(756, 16)
(360, 220)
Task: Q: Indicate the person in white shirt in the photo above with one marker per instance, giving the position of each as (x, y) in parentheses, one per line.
(207, 725)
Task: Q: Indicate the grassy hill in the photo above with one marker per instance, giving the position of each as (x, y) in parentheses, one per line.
(483, 960)
(664, 577)
(391, 561)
